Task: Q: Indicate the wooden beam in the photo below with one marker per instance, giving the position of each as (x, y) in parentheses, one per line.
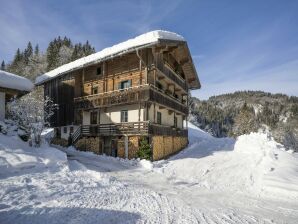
(159, 49)
(183, 61)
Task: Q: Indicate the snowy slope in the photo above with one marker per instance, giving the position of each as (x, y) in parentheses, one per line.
(253, 164)
(139, 41)
(11, 81)
(211, 181)
(39, 185)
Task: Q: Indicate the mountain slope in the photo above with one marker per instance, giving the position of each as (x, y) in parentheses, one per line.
(244, 112)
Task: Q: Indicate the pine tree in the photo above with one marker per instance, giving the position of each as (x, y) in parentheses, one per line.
(3, 66)
(53, 54)
(36, 50)
(245, 121)
(28, 52)
(18, 56)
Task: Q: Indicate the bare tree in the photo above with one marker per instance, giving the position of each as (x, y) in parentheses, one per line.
(32, 112)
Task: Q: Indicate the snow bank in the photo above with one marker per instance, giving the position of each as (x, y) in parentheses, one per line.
(11, 81)
(139, 41)
(272, 169)
(254, 164)
(39, 185)
(16, 155)
(146, 164)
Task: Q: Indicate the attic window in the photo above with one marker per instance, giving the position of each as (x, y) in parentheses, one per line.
(98, 71)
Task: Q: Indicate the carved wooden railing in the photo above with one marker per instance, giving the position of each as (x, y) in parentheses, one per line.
(128, 128)
(158, 96)
(131, 128)
(130, 95)
(111, 98)
(171, 75)
(156, 129)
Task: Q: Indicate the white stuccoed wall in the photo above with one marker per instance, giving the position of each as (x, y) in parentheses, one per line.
(2, 106)
(113, 115)
(166, 118)
(66, 135)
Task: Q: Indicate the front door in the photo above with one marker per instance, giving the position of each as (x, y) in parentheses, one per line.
(107, 146)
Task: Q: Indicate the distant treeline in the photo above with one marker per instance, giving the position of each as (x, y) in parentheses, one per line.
(243, 112)
(32, 62)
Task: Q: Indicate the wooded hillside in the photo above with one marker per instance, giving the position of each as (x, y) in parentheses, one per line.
(243, 112)
(32, 62)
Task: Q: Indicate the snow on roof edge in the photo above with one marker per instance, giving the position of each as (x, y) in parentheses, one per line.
(123, 47)
(16, 82)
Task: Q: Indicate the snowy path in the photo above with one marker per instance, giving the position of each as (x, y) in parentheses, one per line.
(212, 181)
(205, 204)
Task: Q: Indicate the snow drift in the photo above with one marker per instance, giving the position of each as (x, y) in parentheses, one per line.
(253, 164)
(40, 185)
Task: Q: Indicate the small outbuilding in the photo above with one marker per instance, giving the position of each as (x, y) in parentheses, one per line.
(12, 85)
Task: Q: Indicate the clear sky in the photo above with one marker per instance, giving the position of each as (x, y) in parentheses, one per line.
(236, 45)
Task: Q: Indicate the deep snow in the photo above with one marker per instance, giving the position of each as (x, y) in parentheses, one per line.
(251, 180)
(254, 164)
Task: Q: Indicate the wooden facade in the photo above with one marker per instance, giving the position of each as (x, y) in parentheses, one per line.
(140, 93)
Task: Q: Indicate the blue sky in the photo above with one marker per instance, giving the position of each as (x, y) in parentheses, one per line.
(236, 45)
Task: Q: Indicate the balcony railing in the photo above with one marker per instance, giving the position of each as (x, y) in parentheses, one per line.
(172, 75)
(130, 128)
(129, 96)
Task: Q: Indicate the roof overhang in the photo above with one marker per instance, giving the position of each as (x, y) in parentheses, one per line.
(182, 54)
(161, 38)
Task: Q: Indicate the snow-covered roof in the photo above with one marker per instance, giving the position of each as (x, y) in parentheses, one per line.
(146, 39)
(12, 81)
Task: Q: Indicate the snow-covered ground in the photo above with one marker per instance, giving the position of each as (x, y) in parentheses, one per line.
(251, 180)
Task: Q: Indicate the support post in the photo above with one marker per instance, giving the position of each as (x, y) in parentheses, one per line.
(126, 146)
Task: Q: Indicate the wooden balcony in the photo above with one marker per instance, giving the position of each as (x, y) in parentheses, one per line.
(144, 93)
(125, 128)
(170, 74)
(130, 128)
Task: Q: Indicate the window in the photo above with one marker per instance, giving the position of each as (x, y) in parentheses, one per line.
(158, 117)
(124, 84)
(58, 132)
(94, 90)
(65, 130)
(175, 122)
(93, 117)
(124, 116)
(98, 71)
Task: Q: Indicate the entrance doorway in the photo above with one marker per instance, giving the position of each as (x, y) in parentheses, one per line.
(114, 150)
(110, 146)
